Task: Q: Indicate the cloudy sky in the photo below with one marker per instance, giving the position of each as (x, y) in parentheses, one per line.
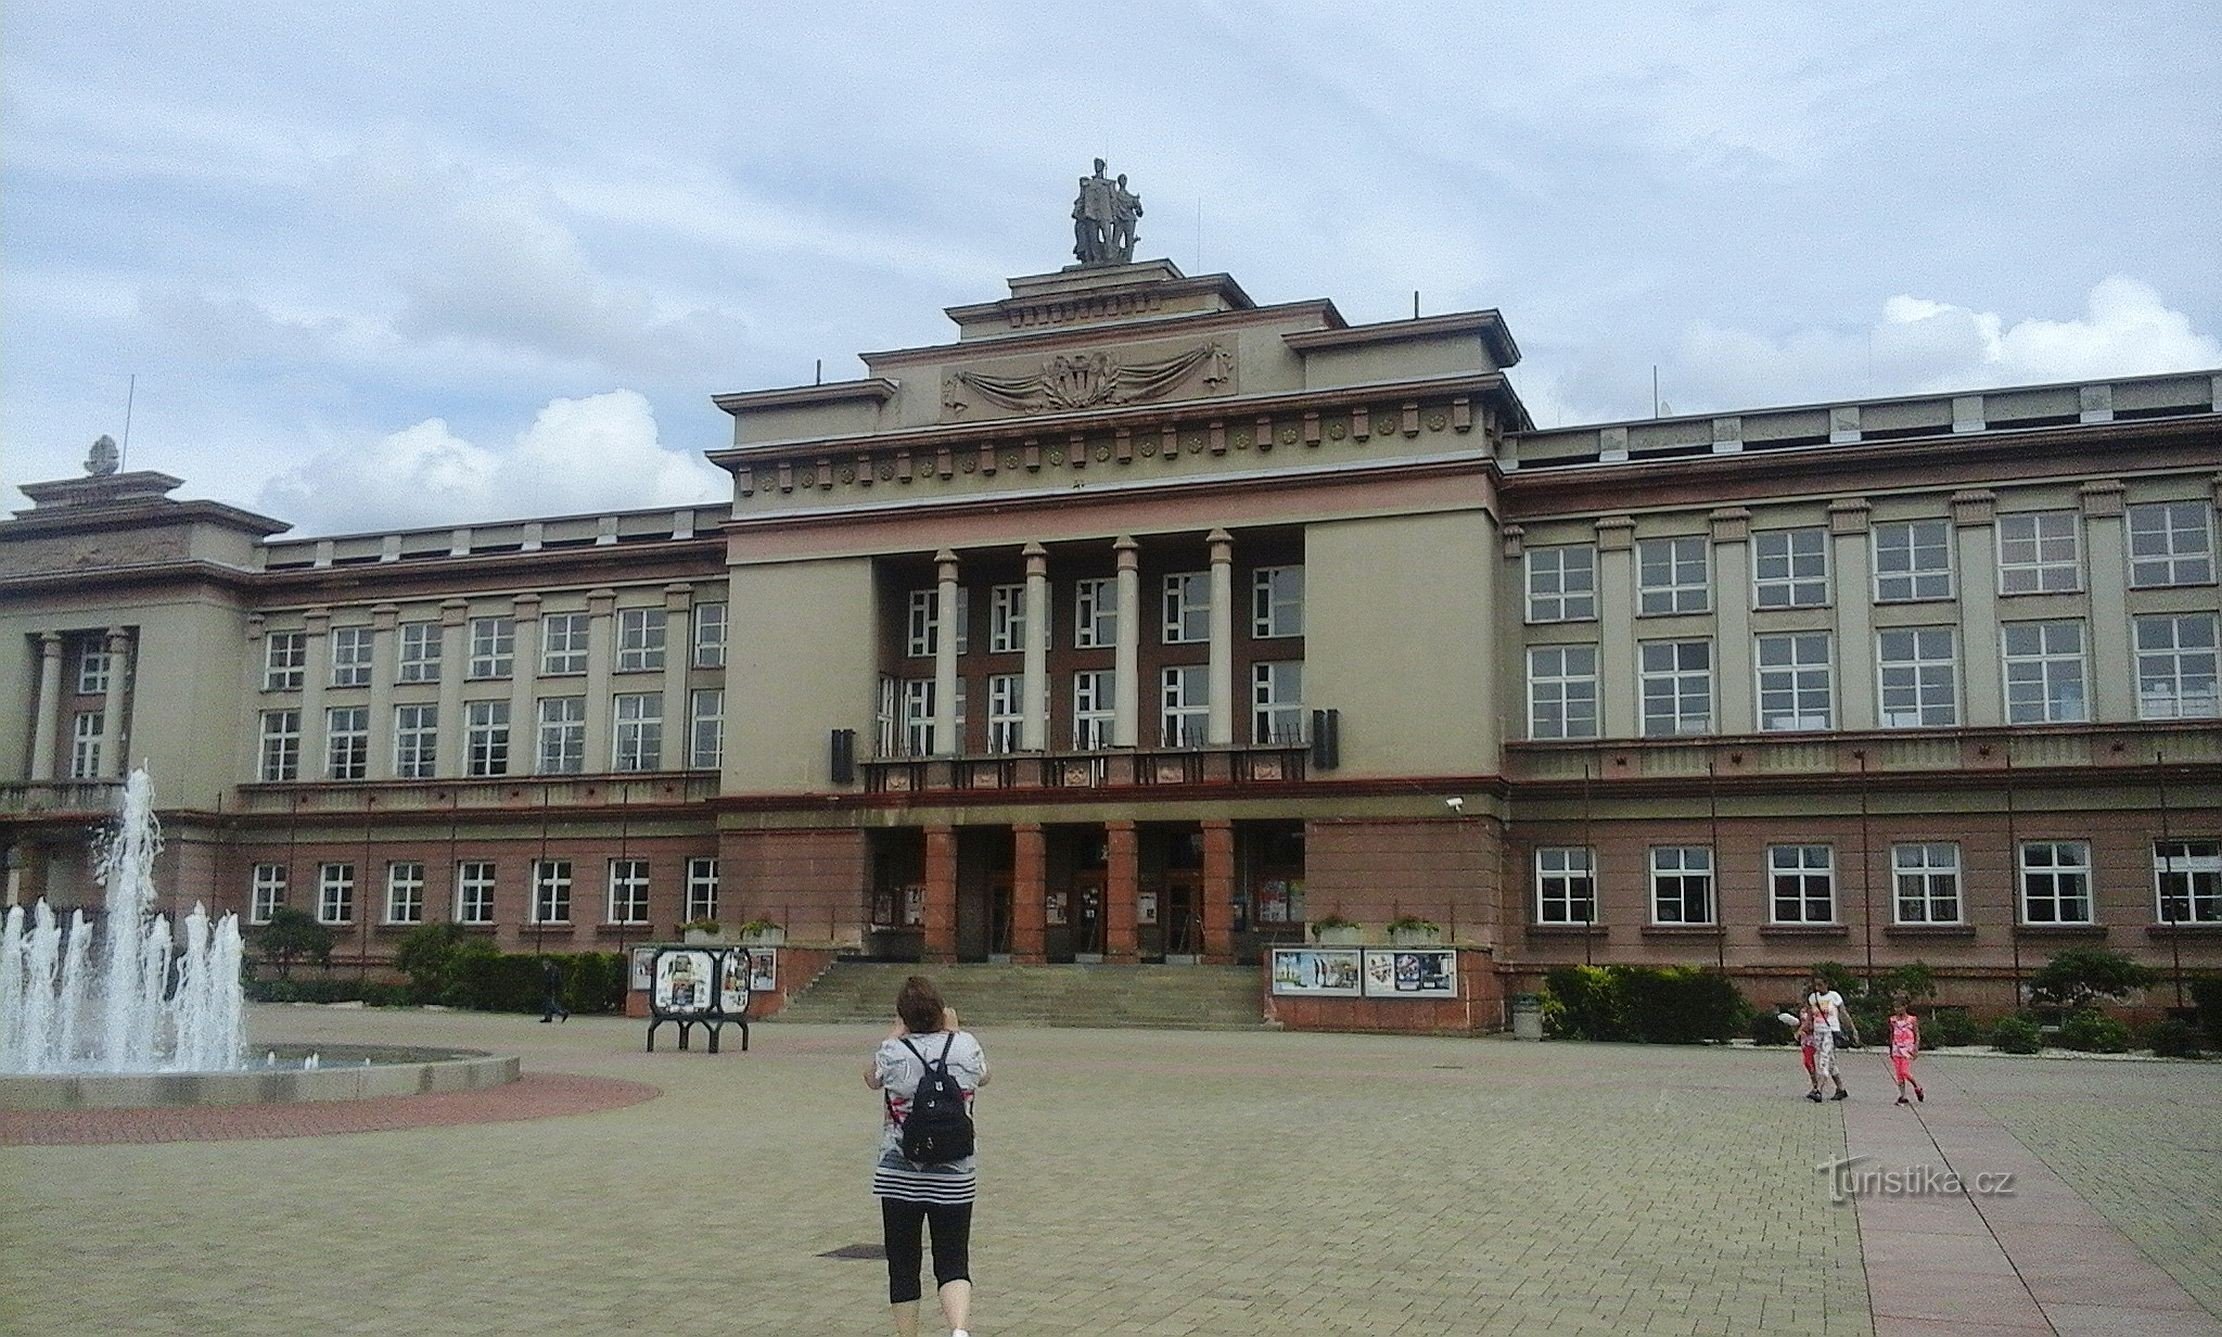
(388, 264)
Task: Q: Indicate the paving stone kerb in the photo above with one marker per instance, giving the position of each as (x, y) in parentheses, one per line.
(345, 1075)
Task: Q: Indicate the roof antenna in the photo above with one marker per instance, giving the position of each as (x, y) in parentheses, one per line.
(1415, 304)
(1654, 390)
(131, 392)
(1199, 236)
(818, 377)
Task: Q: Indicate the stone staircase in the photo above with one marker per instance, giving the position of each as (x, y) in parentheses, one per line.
(1161, 997)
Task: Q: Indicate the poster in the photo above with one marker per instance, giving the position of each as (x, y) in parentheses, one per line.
(1316, 972)
(763, 970)
(1281, 901)
(644, 968)
(1145, 907)
(914, 905)
(1056, 907)
(733, 982)
(1411, 972)
(686, 978)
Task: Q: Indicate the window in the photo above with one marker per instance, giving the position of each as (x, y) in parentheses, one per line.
(486, 738)
(1672, 576)
(352, 648)
(1677, 687)
(265, 892)
(1913, 560)
(639, 743)
(1006, 720)
(2039, 552)
(1186, 706)
(1790, 568)
(1562, 583)
(85, 733)
(335, 893)
(420, 652)
(1187, 617)
(285, 657)
(563, 640)
(405, 893)
(562, 735)
(92, 671)
(416, 741)
(628, 891)
(1095, 614)
(2187, 881)
(1927, 880)
(640, 639)
(1794, 681)
(1919, 677)
(923, 632)
(1681, 884)
(709, 635)
(1277, 601)
(281, 745)
(347, 742)
(493, 647)
(2176, 657)
(885, 717)
(1565, 885)
(702, 888)
(2056, 882)
(1277, 702)
(474, 893)
(1006, 619)
(1802, 879)
(1562, 691)
(918, 717)
(706, 729)
(2171, 543)
(1092, 709)
(2044, 673)
(551, 891)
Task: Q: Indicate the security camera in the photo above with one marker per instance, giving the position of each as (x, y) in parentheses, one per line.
(1455, 804)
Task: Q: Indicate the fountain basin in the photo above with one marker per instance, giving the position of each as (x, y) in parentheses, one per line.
(342, 1075)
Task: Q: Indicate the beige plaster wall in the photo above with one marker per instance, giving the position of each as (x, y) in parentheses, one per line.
(801, 664)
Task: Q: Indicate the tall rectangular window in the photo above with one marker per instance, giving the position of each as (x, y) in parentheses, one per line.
(1092, 709)
(281, 745)
(493, 647)
(2045, 673)
(2039, 552)
(628, 891)
(563, 642)
(706, 729)
(486, 738)
(1677, 687)
(420, 652)
(1277, 601)
(1802, 883)
(2176, 659)
(335, 893)
(1918, 672)
(1565, 885)
(551, 891)
(1562, 691)
(92, 670)
(1913, 560)
(1006, 718)
(1562, 583)
(352, 648)
(709, 635)
(640, 639)
(1673, 576)
(285, 657)
(2187, 881)
(2171, 543)
(639, 737)
(1796, 686)
(2055, 882)
(87, 731)
(702, 888)
(474, 892)
(1185, 705)
(887, 716)
(923, 627)
(1095, 614)
(265, 892)
(562, 735)
(1277, 702)
(1926, 882)
(405, 893)
(1006, 619)
(1681, 884)
(1790, 568)
(416, 741)
(1187, 619)
(347, 742)
(918, 717)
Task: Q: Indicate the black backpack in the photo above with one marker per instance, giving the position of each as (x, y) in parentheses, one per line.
(937, 1131)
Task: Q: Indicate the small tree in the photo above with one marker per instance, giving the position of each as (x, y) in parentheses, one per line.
(426, 956)
(292, 935)
(2080, 976)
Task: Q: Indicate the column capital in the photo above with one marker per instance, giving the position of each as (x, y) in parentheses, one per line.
(945, 563)
(1731, 524)
(1616, 533)
(1037, 559)
(2102, 496)
(256, 623)
(678, 596)
(1849, 515)
(1976, 506)
(1222, 546)
(525, 607)
(383, 617)
(600, 602)
(1127, 550)
(452, 611)
(317, 621)
(50, 644)
(1027, 828)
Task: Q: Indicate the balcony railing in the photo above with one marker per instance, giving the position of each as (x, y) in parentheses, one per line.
(1270, 765)
(499, 793)
(70, 798)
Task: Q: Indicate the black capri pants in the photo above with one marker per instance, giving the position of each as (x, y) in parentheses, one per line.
(902, 1223)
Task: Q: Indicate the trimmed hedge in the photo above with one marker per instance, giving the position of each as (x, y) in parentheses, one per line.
(2017, 1035)
(450, 968)
(1649, 1004)
(2175, 1039)
(2092, 1032)
(1946, 1026)
(2206, 995)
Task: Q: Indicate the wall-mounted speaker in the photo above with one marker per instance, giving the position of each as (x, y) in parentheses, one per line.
(1326, 739)
(844, 756)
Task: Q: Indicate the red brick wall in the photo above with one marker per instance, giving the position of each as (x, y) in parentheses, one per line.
(1373, 871)
(813, 882)
(1478, 1008)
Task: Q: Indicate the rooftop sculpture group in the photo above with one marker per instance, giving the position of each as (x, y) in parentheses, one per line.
(1103, 220)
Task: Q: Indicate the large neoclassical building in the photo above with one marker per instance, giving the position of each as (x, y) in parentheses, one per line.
(1143, 621)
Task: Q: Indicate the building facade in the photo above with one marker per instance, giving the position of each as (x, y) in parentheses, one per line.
(1145, 622)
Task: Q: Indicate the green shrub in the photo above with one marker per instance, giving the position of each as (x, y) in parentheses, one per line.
(1584, 1004)
(1948, 1026)
(2081, 975)
(596, 982)
(290, 936)
(2175, 1039)
(1670, 1005)
(1767, 1028)
(2093, 1032)
(426, 955)
(2017, 1035)
(2206, 995)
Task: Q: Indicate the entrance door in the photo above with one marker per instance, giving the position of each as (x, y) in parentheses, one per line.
(1087, 915)
(999, 915)
(1181, 915)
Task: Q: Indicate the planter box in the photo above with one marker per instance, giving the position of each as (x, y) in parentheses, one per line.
(1348, 935)
(697, 938)
(1415, 937)
(764, 937)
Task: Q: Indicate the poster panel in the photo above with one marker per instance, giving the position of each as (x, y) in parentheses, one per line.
(644, 968)
(763, 969)
(1411, 972)
(686, 978)
(733, 972)
(1316, 972)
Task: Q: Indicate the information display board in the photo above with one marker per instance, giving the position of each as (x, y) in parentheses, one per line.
(1411, 972)
(1317, 972)
(704, 986)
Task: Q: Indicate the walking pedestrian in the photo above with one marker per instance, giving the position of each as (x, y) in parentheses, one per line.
(551, 983)
(924, 1066)
(1832, 1021)
(1905, 1047)
(1806, 1021)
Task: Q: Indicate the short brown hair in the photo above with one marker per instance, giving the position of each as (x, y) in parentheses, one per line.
(919, 1004)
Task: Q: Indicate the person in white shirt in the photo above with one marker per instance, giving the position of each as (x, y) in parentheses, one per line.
(1832, 1022)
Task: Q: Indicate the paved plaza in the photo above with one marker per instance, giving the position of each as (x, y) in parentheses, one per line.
(1151, 1183)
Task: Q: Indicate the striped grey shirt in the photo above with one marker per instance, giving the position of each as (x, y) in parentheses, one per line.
(900, 1072)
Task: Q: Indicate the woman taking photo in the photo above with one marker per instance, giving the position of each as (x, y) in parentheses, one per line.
(918, 1180)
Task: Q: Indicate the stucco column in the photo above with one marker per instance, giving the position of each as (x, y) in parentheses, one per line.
(601, 651)
(678, 654)
(946, 742)
(383, 665)
(1219, 725)
(1974, 515)
(524, 716)
(49, 714)
(1218, 891)
(1126, 670)
(1029, 891)
(941, 893)
(454, 663)
(1616, 623)
(1855, 614)
(2113, 674)
(316, 671)
(115, 707)
(1732, 620)
(1033, 729)
(1122, 885)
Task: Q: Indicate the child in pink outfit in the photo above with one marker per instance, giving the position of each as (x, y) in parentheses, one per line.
(1905, 1047)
